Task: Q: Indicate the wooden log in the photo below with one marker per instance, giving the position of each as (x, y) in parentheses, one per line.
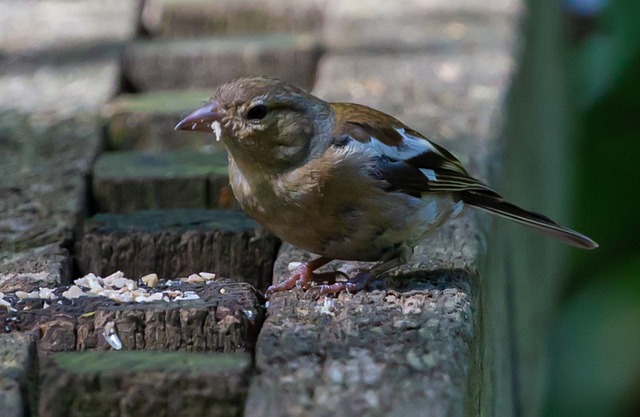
(226, 318)
(177, 243)
(17, 374)
(399, 350)
(43, 164)
(49, 131)
(131, 180)
(94, 21)
(71, 64)
(145, 121)
(143, 384)
(182, 18)
(207, 62)
(372, 26)
(27, 270)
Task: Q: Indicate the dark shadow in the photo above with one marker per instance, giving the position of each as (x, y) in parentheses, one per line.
(423, 280)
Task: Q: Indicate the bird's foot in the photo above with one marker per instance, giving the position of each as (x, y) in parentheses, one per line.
(355, 284)
(302, 277)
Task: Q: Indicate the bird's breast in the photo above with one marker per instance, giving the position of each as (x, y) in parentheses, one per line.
(334, 208)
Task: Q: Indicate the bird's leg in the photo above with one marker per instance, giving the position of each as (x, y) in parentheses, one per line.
(301, 277)
(360, 281)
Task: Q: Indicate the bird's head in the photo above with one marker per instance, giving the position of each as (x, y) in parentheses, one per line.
(263, 121)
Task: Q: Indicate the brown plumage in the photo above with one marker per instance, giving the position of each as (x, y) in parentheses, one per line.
(343, 180)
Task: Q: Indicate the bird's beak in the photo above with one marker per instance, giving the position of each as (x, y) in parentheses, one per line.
(204, 119)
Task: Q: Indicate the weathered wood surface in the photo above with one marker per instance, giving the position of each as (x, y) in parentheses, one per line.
(93, 21)
(43, 162)
(419, 26)
(408, 348)
(17, 375)
(186, 18)
(146, 121)
(51, 81)
(226, 318)
(70, 64)
(207, 62)
(176, 243)
(133, 180)
(163, 384)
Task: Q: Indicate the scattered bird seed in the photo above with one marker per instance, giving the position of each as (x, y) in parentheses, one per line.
(293, 266)
(209, 276)
(193, 279)
(150, 280)
(73, 292)
(4, 303)
(47, 293)
(118, 288)
(217, 130)
(187, 295)
(22, 295)
(110, 335)
(328, 306)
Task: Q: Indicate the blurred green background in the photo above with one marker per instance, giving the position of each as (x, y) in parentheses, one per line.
(576, 102)
(595, 346)
(561, 325)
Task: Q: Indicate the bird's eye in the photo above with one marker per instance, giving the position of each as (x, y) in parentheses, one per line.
(257, 112)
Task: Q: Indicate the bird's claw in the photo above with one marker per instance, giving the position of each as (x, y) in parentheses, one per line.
(299, 279)
(355, 284)
(304, 280)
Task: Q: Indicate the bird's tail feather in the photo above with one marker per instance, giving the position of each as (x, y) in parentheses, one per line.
(494, 203)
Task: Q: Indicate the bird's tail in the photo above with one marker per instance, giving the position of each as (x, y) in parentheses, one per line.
(494, 203)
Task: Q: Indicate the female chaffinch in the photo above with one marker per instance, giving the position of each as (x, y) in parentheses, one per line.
(343, 180)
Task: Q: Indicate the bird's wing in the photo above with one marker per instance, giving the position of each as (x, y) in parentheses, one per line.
(408, 162)
(405, 159)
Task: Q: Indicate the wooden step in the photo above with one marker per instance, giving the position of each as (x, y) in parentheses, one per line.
(176, 243)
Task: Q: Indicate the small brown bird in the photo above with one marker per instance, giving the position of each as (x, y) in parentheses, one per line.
(343, 180)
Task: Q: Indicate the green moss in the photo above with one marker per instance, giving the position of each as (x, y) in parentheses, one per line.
(176, 164)
(160, 102)
(273, 41)
(146, 361)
